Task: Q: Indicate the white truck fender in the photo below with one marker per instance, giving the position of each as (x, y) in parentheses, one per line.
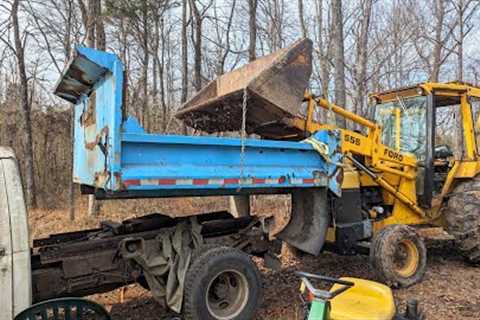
(15, 269)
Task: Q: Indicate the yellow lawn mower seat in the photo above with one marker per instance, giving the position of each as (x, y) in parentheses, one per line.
(366, 300)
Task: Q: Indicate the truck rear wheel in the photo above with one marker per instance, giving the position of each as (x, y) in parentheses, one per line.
(222, 283)
(463, 218)
(399, 255)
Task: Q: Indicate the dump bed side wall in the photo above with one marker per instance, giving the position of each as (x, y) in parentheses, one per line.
(97, 146)
(118, 157)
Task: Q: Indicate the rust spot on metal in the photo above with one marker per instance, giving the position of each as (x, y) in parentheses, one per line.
(118, 181)
(98, 138)
(79, 75)
(88, 117)
(78, 78)
(101, 178)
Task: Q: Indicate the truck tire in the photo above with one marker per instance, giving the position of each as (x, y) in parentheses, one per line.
(15, 269)
(399, 256)
(222, 283)
(463, 219)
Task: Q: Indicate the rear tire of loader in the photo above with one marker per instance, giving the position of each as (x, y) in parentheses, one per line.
(463, 219)
(222, 283)
(399, 256)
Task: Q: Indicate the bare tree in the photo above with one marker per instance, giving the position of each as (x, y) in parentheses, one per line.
(323, 41)
(360, 69)
(362, 46)
(95, 32)
(19, 49)
(252, 29)
(222, 42)
(301, 18)
(198, 14)
(274, 12)
(100, 40)
(339, 57)
(465, 10)
(434, 51)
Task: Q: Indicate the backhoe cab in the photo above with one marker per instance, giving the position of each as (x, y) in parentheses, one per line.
(409, 118)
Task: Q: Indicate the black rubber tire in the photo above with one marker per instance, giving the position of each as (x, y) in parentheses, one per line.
(203, 270)
(463, 219)
(382, 255)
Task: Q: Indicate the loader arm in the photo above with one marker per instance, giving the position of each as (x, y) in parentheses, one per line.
(378, 157)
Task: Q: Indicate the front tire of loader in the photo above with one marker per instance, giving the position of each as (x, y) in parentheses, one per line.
(399, 256)
(463, 219)
(222, 283)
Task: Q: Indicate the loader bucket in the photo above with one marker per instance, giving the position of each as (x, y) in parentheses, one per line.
(275, 85)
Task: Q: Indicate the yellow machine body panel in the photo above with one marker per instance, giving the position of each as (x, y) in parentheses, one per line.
(365, 300)
(395, 171)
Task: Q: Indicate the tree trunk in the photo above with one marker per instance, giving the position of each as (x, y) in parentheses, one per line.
(197, 46)
(71, 194)
(339, 58)
(252, 30)
(95, 39)
(67, 39)
(184, 95)
(458, 132)
(323, 49)
(438, 44)
(145, 62)
(100, 40)
(461, 36)
(91, 22)
(26, 110)
(301, 17)
(362, 59)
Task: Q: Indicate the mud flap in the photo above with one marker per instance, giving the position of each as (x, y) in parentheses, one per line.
(310, 219)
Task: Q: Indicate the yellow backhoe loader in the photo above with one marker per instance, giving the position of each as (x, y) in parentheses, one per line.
(396, 179)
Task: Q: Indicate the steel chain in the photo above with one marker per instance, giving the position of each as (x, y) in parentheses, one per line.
(243, 133)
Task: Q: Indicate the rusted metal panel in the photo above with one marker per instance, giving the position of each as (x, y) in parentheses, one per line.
(93, 82)
(79, 77)
(275, 86)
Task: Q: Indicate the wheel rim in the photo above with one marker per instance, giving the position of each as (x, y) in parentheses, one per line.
(227, 294)
(406, 258)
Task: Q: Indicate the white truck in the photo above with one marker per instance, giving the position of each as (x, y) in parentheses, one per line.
(15, 265)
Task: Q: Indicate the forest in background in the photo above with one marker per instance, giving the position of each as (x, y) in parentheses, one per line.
(172, 48)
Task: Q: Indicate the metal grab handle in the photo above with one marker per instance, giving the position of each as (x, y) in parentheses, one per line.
(323, 294)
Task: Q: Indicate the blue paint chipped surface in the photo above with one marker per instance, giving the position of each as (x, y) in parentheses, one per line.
(118, 156)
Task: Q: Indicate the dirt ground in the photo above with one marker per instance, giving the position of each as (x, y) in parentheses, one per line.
(450, 289)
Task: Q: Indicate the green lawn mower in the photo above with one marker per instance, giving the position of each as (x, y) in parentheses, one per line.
(351, 299)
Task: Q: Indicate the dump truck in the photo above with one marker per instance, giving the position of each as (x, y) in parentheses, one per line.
(397, 178)
(198, 265)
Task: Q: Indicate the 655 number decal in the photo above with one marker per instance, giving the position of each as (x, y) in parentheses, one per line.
(352, 139)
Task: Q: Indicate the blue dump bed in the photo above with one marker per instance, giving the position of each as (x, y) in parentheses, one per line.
(114, 157)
